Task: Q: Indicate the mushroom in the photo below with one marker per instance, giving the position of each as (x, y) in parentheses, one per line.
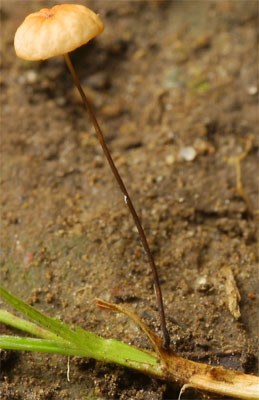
(57, 31)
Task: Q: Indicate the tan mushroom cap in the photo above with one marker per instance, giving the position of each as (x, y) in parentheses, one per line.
(56, 31)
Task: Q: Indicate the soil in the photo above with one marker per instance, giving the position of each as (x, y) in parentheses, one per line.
(174, 86)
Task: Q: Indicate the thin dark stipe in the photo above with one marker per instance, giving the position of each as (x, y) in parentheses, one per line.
(127, 200)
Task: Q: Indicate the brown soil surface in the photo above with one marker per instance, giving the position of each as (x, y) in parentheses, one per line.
(174, 87)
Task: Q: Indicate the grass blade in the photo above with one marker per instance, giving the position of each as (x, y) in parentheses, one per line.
(40, 345)
(71, 341)
(55, 326)
(26, 326)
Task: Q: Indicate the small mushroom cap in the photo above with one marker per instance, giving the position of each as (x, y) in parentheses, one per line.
(56, 31)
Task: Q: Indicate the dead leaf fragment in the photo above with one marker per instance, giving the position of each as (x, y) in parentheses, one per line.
(233, 295)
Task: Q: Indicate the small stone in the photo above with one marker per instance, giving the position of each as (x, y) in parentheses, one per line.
(252, 90)
(170, 159)
(201, 284)
(188, 153)
(98, 161)
(31, 76)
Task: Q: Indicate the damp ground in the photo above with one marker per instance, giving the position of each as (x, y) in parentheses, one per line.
(174, 88)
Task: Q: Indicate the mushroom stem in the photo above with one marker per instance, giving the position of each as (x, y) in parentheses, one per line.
(126, 197)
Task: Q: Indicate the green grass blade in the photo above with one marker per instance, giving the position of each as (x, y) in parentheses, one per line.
(26, 326)
(112, 352)
(57, 327)
(79, 342)
(40, 345)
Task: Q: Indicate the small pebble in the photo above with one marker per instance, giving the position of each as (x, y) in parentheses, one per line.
(188, 153)
(170, 159)
(31, 76)
(201, 284)
(252, 90)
